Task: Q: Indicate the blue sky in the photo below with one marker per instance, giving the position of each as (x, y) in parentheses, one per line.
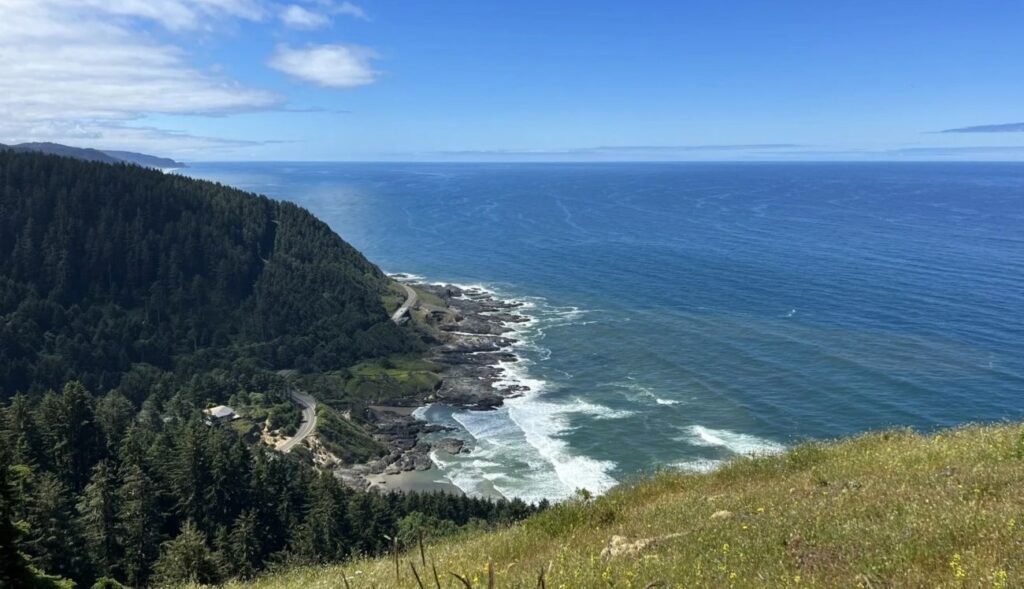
(525, 80)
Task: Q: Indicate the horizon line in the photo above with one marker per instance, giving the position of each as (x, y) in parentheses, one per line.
(693, 161)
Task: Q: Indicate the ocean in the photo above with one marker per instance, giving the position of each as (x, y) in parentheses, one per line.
(687, 313)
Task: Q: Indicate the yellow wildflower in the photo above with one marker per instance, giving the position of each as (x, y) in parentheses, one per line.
(956, 566)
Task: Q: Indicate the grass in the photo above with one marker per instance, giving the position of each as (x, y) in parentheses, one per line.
(346, 440)
(893, 509)
(344, 396)
(392, 380)
(245, 427)
(430, 298)
(393, 297)
(398, 379)
(418, 315)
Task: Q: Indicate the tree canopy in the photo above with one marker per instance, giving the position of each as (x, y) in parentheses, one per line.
(171, 499)
(103, 267)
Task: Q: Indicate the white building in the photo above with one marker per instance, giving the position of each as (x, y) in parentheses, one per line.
(219, 414)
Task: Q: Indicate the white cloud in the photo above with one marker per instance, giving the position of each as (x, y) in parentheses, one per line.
(341, 8)
(76, 70)
(333, 66)
(113, 135)
(86, 71)
(298, 17)
(349, 9)
(175, 15)
(112, 79)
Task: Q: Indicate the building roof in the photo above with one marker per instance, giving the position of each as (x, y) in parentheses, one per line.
(220, 412)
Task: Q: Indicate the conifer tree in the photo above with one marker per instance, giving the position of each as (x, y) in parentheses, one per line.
(138, 524)
(190, 475)
(21, 433)
(186, 559)
(114, 414)
(53, 538)
(50, 423)
(322, 535)
(230, 480)
(98, 519)
(81, 433)
(69, 433)
(14, 567)
(245, 547)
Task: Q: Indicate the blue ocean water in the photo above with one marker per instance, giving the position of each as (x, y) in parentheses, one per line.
(686, 313)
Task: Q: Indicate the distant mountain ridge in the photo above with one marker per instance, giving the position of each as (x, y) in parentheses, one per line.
(96, 155)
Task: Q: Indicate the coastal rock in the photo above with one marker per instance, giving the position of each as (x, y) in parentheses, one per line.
(442, 319)
(401, 433)
(511, 318)
(405, 444)
(622, 546)
(488, 360)
(470, 345)
(353, 478)
(469, 394)
(477, 326)
(451, 445)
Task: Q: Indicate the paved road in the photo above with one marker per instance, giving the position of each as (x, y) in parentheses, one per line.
(410, 300)
(308, 405)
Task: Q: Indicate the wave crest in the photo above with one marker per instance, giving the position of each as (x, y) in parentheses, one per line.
(737, 443)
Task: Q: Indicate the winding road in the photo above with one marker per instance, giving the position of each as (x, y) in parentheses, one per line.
(308, 405)
(410, 300)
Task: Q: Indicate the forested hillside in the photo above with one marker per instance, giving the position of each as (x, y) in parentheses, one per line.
(159, 497)
(129, 301)
(95, 155)
(103, 267)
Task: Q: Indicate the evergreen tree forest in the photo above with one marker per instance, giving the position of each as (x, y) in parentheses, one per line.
(129, 301)
(105, 267)
(92, 490)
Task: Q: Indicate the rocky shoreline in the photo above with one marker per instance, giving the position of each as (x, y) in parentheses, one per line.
(471, 339)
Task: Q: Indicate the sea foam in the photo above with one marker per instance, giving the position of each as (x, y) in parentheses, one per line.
(699, 465)
(735, 442)
(543, 424)
(640, 394)
(519, 449)
(531, 428)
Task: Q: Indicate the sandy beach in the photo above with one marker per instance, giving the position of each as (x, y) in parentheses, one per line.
(421, 481)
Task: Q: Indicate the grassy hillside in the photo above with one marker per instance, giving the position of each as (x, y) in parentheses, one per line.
(891, 509)
(345, 439)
